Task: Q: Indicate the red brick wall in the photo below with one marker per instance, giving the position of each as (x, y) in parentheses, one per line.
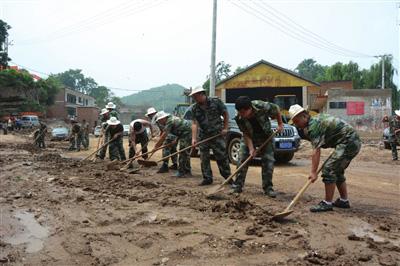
(342, 84)
(90, 114)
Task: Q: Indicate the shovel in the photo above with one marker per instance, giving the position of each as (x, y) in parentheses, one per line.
(101, 147)
(154, 163)
(288, 210)
(140, 155)
(220, 187)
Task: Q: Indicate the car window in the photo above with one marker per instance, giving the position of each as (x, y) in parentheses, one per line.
(25, 118)
(231, 110)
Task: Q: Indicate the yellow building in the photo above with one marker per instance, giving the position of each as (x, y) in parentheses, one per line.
(269, 82)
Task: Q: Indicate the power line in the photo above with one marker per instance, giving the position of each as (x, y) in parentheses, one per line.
(306, 31)
(288, 31)
(124, 10)
(30, 69)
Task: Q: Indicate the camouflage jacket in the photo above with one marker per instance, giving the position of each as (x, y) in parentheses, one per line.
(325, 131)
(76, 129)
(209, 117)
(178, 126)
(262, 112)
(394, 124)
(113, 113)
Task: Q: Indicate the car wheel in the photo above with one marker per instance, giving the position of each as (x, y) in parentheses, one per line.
(233, 150)
(284, 157)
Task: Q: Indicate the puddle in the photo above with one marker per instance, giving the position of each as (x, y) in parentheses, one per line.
(31, 232)
(363, 229)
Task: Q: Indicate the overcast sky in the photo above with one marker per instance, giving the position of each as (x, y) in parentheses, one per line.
(139, 44)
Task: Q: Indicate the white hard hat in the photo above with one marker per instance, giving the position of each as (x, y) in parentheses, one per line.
(295, 110)
(103, 111)
(110, 105)
(397, 112)
(113, 121)
(161, 115)
(197, 90)
(151, 111)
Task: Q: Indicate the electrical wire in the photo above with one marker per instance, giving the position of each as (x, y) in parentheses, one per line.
(274, 12)
(124, 10)
(284, 29)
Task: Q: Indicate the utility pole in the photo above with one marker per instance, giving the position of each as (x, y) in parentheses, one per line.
(383, 69)
(213, 49)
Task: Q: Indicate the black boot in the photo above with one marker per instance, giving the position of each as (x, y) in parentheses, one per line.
(163, 169)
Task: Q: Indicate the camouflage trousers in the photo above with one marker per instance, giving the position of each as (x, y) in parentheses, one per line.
(85, 140)
(184, 157)
(171, 149)
(267, 165)
(75, 142)
(393, 145)
(39, 140)
(143, 139)
(218, 146)
(333, 171)
(116, 150)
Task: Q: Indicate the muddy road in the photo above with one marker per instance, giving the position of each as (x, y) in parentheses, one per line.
(56, 210)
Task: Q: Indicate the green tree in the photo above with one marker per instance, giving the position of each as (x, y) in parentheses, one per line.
(4, 27)
(222, 71)
(76, 80)
(309, 68)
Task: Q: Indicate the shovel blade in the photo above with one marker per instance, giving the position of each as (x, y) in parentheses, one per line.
(147, 163)
(281, 215)
(214, 190)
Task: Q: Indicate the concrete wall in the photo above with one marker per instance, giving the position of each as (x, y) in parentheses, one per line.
(377, 104)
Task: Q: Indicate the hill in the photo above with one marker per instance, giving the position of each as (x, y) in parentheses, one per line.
(162, 98)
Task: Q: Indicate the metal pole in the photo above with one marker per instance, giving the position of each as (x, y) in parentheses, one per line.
(383, 72)
(213, 49)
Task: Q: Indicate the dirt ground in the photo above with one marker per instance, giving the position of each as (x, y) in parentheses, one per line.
(57, 210)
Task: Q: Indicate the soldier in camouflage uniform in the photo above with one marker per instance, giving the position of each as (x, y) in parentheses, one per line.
(325, 131)
(151, 114)
(85, 137)
(111, 110)
(75, 137)
(116, 132)
(182, 130)
(138, 134)
(253, 119)
(394, 132)
(40, 135)
(207, 113)
(104, 116)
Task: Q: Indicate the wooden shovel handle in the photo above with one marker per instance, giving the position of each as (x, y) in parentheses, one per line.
(306, 185)
(189, 147)
(249, 158)
(101, 147)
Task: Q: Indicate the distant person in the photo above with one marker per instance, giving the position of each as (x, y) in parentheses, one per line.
(75, 137)
(394, 132)
(116, 132)
(104, 117)
(325, 131)
(86, 131)
(138, 134)
(151, 114)
(210, 118)
(40, 135)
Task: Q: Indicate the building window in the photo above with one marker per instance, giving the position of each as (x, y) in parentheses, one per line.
(71, 98)
(80, 100)
(87, 102)
(337, 105)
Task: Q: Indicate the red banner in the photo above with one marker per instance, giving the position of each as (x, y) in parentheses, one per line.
(355, 108)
